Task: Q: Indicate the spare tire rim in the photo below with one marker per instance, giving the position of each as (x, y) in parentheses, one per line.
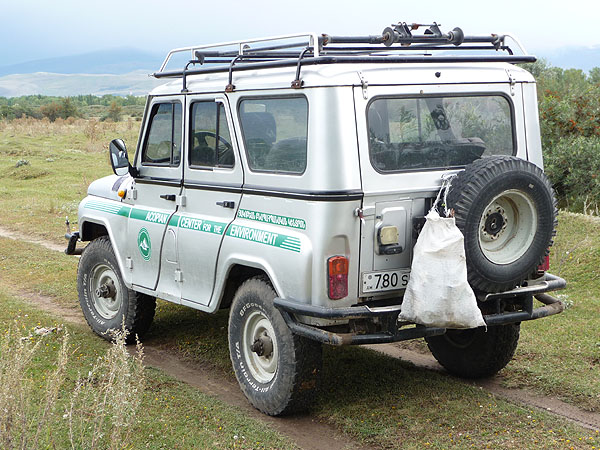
(507, 227)
(106, 297)
(260, 347)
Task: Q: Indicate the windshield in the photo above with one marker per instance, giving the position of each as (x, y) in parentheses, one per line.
(437, 132)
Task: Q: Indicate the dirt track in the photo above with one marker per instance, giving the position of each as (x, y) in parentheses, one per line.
(304, 430)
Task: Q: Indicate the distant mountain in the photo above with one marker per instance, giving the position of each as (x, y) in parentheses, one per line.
(584, 58)
(115, 61)
(63, 85)
(123, 71)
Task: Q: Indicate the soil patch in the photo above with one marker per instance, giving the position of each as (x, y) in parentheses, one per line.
(586, 419)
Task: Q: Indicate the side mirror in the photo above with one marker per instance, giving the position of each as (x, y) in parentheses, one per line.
(118, 157)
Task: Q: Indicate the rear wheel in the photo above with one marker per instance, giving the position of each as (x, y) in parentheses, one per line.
(107, 304)
(475, 353)
(277, 370)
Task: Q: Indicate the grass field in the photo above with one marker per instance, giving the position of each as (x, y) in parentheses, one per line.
(171, 415)
(376, 399)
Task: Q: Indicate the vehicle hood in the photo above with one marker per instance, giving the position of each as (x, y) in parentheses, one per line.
(108, 187)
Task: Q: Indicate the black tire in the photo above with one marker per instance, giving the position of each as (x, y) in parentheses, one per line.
(506, 210)
(284, 379)
(475, 353)
(120, 306)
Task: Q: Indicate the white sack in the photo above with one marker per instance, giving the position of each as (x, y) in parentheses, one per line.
(438, 294)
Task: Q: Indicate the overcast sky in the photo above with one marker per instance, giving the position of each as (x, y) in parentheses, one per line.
(35, 29)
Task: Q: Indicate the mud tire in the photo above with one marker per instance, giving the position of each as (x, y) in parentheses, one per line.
(134, 311)
(289, 385)
(475, 353)
(501, 258)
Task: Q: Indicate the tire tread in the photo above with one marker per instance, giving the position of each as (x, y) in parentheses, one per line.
(464, 191)
(140, 307)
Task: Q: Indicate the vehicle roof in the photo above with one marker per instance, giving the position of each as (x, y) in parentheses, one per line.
(348, 75)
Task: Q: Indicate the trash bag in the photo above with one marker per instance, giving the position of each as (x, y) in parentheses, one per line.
(438, 293)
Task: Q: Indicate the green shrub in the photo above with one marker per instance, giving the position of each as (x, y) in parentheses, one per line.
(573, 165)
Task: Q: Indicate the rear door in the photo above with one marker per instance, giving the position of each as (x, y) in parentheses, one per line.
(409, 137)
(213, 179)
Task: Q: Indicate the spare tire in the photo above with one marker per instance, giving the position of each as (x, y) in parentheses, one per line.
(506, 210)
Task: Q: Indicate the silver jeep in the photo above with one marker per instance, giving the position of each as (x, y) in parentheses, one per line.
(287, 179)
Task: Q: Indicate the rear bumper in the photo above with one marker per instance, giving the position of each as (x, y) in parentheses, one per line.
(387, 316)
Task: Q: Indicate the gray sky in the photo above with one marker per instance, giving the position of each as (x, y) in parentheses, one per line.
(35, 29)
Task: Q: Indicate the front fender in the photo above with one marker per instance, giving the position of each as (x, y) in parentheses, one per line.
(112, 217)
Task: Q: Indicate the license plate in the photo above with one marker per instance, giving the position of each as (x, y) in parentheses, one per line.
(387, 280)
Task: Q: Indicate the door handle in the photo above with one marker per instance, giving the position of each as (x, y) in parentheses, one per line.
(170, 197)
(227, 204)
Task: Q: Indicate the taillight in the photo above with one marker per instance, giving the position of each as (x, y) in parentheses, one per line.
(545, 265)
(337, 270)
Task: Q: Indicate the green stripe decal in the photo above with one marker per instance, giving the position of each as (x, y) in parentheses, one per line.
(264, 237)
(149, 216)
(206, 226)
(272, 219)
(111, 208)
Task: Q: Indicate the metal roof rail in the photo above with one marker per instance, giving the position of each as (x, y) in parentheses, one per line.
(244, 46)
(302, 49)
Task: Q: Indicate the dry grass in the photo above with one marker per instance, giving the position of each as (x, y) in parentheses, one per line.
(26, 419)
(94, 131)
(100, 411)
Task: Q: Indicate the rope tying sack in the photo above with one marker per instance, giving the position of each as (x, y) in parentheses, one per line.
(446, 183)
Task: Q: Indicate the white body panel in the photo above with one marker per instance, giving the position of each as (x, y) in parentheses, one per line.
(288, 225)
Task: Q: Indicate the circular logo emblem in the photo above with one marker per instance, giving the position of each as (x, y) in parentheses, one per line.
(144, 244)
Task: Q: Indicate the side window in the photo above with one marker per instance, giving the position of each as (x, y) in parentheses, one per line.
(275, 133)
(210, 141)
(163, 141)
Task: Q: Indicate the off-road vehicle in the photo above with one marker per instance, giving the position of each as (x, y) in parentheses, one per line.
(287, 179)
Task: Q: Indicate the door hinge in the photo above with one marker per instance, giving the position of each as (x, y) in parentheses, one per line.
(129, 263)
(131, 194)
(180, 200)
(512, 82)
(364, 85)
(178, 276)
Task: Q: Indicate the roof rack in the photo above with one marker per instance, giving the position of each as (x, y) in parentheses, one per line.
(396, 44)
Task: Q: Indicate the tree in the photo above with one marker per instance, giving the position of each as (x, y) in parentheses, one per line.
(594, 75)
(51, 111)
(114, 112)
(68, 108)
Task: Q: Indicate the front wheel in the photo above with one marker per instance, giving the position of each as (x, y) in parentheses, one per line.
(475, 353)
(277, 370)
(107, 304)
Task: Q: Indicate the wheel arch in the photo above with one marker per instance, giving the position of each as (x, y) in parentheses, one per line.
(233, 276)
(91, 228)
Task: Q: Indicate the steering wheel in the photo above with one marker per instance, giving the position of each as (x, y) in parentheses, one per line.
(224, 147)
(204, 134)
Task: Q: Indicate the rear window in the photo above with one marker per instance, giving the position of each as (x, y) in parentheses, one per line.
(438, 132)
(275, 133)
